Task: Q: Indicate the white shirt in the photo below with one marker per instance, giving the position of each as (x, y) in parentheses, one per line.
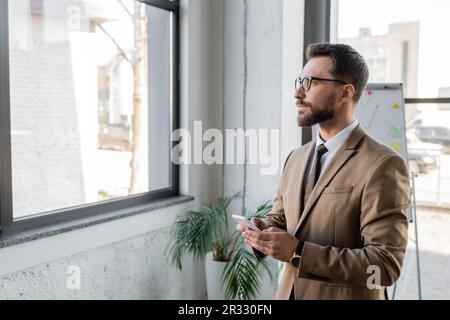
(332, 145)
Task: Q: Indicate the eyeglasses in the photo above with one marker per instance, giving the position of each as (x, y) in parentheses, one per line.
(306, 82)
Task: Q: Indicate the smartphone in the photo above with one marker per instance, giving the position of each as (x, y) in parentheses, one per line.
(245, 222)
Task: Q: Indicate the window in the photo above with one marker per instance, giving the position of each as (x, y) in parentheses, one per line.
(405, 41)
(408, 47)
(412, 41)
(88, 102)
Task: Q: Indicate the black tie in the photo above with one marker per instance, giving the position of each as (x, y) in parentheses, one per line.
(314, 174)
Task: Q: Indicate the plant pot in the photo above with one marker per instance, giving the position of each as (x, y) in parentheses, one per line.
(214, 270)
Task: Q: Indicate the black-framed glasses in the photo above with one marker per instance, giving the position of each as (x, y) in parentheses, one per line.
(306, 82)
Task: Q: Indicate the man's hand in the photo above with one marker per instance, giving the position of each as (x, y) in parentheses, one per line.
(273, 242)
(258, 222)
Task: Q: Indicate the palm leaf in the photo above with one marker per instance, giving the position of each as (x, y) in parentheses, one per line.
(223, 203)
(204, 230)
(242, 275)
(194, 233)
(262, 211)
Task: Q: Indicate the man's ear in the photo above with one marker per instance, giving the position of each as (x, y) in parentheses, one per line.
(348, 93)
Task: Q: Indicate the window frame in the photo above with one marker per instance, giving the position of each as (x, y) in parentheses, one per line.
(101, 211)
(317, 27)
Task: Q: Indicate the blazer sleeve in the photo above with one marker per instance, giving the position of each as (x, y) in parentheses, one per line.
(276, 217)
(384, 231)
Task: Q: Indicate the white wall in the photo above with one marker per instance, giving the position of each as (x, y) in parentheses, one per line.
(125, 258)
(274, 41)
(263, 41)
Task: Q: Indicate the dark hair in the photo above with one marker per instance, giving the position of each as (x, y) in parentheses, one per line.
(348, 64)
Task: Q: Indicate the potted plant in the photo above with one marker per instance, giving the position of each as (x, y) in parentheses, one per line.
(206, 233)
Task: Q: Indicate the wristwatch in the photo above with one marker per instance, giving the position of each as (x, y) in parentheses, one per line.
(296, 259)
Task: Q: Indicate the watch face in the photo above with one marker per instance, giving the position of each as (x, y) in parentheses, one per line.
(295, 261)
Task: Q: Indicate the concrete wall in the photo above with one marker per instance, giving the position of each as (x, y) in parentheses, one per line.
(263, 56)
(124, 258)
(131, 269)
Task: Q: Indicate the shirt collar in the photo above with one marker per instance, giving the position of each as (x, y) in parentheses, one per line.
(334, 143)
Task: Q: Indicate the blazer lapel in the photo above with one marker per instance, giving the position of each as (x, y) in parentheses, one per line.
(301, 167)
(344, 153)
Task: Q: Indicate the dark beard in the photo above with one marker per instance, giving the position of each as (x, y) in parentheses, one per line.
(317, 116)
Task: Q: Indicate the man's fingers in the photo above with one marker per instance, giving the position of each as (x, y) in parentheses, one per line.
(241, 228)
(274, 229)
(258, 235)
(259, 223)
(257, 245)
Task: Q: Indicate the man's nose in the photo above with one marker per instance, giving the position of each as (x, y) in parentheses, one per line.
(299, 93)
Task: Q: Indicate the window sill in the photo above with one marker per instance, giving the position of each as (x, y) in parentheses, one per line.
(11, 239)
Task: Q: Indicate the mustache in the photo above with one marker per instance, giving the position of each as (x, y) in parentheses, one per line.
(302, 102)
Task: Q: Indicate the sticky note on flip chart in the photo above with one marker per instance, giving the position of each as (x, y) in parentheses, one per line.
(394, 132)
(396, 146)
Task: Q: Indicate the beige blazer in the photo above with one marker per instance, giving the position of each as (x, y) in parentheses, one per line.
(353, 223)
